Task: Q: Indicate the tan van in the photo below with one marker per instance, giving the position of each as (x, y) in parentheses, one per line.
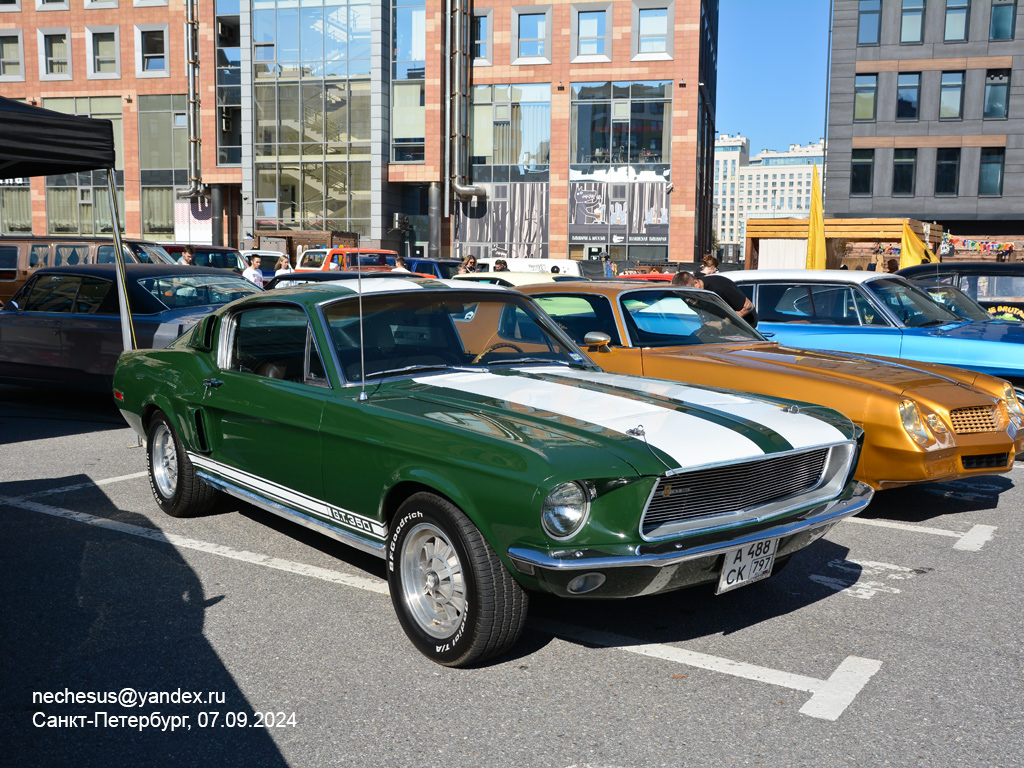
(22, 256)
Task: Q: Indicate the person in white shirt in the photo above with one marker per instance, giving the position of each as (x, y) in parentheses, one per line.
(400, 265)
(283, 267)
(253, 274)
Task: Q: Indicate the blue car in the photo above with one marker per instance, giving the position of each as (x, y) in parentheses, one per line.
(871, 313)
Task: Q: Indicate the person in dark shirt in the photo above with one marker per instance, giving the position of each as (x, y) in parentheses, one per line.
(725, 288)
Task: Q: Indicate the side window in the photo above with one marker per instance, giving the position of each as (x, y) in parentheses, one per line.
(106, 254)
(275, 342)
(91, 295)
(868, 314)
(39, 256)
(833, 305)
(783, 303)
(518, 326)
(71, 255)
(8, 262)
(53, 293)
(580, 315)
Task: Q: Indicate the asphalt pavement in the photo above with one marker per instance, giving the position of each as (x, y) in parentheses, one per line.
(236, 638)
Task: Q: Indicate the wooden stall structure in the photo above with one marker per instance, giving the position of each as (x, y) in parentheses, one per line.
(782, 243)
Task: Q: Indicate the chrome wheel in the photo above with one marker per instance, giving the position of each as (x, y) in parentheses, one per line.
(164, 461)
(432, 581)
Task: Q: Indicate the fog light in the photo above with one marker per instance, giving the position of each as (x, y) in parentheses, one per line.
(588, 582)
(935, 423)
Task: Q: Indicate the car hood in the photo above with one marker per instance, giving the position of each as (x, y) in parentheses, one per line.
(635, 418)
(895, 377)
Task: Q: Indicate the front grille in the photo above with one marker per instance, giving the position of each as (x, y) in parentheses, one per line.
(986, 461)
(978, 418)
(732, 488)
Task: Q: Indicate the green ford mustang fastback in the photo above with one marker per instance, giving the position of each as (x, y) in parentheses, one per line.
(458, 433)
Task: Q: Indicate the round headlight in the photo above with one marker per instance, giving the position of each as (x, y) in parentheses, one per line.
(565, 510)
(910, 415)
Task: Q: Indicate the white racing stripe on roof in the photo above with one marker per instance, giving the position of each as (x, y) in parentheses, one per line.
(690, 440)
(801, 430)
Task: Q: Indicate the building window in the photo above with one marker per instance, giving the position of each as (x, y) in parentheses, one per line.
(990, 176)
(951, 96)
(904, 163)
(958, 18)
(861, 171)
(865, 91)
(621, 124)
(12, 57)
(869, 14)
(908, 93)
(144, 3)
(103, 53)
(912, 22)
(55, 54)
(947, 172)
(99, 4)
(591, 33)
(480, 31)
(409, 67)
(151, 50)
(997, 94)
(652, 23)
(1001, 24)
(52, 5)
(10, 6)
(531, 35)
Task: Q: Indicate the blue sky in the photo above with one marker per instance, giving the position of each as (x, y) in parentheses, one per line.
(772, 66)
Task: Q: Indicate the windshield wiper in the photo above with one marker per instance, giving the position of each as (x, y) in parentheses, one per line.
(520, 360)
(422, 368)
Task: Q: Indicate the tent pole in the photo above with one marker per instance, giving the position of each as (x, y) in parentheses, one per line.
(127, 328)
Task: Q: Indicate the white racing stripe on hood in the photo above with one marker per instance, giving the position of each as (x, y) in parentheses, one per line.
(801, 430)
(690, 440)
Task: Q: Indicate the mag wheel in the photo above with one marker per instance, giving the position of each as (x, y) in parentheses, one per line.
(454, 598)
(176, 487)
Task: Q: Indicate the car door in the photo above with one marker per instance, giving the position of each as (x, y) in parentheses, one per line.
(828, 316)
(262, 408)
(91, 333)
(30, 335)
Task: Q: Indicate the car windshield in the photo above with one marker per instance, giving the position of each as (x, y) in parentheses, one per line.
(674, 317)
(424, 331)
(313, 259)
(912, 306)
(219, 259)
(957, 302)
(180, 291)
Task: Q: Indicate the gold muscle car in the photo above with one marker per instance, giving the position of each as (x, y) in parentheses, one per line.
(923, 422)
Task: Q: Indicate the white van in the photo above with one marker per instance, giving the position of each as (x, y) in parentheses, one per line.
(565, 266)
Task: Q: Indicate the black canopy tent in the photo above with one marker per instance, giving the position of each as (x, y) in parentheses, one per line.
(41, 142)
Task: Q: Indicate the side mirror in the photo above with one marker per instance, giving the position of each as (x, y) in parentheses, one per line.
(10, 305)
(597, 339)
(203, 334)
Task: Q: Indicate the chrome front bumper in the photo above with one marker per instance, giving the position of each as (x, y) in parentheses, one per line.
(666, 566)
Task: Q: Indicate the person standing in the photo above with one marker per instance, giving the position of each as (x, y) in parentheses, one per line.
(253, 274)
(283, 267)
(188, 256)
(709, 265)
(400, 265)
(725, 288)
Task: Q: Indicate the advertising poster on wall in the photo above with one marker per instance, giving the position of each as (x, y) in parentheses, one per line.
(606, 212)
(513, 222)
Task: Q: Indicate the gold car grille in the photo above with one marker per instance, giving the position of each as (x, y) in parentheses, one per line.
(977, 418)
(732, 488)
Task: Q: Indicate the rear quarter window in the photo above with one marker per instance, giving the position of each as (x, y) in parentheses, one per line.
(8, 262)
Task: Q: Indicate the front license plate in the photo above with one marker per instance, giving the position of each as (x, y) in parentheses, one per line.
(747, 564)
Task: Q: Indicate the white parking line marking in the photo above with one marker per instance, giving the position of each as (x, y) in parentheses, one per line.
(830, 697)
(80, 486)
(975, 538)
(277, 563)
(863, 578)
(971, 541)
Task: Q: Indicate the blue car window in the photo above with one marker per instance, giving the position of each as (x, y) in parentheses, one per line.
(784, 303)
(869, 315)
(53, 293)
(91, 294)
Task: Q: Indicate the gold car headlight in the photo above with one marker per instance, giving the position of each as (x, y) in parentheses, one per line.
(914, 425)
(1013, 405)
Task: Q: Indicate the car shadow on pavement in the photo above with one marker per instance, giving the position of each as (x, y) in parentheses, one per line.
(697, 612)
(90, 612)
(917, 503)
(35, 414)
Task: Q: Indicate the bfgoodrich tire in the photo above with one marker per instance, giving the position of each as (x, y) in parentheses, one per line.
(176, 487)
(455, 600)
